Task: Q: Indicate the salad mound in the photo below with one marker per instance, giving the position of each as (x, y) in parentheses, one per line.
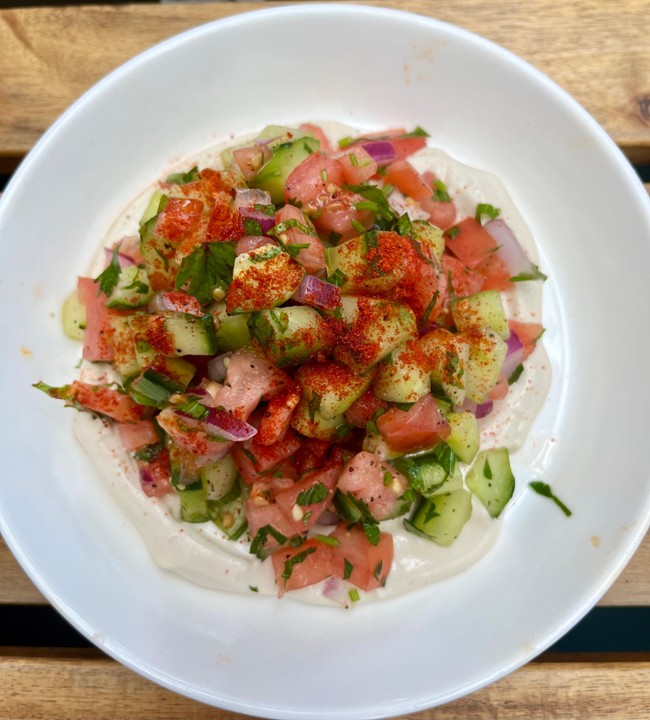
(302, 345)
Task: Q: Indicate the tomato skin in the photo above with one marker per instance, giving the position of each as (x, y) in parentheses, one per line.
(138, 434)
(441, 214)
(364, 477)
(464, 281)
(357, 171)
(335, 212)
(472, 244)
(404, 147)
(106, 401)
(275, 420)
(363, 410)
(319, 134)
(316, 566)
(260, 512)
(367, 573)
(407, 180)
(266, 457)
(311, 454)
(528, 333)
(96, 345)
(420, 427)
(250, 159)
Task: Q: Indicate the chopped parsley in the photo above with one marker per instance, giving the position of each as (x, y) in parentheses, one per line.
(348, 567)
(487, 470)
(208, 267)
(194, 408)
(535, 274)
(327, 540)
(516, 373)
(338, 278)
(452, 232)
(315, 494)
(377, 572)
(314, 405)
(354, 595)
(441, 194)
(485, 209)
(259, 541)
(280, 319)
(371, 530)
(296, 560)
(388, 478)
(183, 178)
(252, 227)
(109, 278)
(541, 488)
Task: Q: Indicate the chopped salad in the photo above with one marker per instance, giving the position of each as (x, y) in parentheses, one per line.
(305, 341)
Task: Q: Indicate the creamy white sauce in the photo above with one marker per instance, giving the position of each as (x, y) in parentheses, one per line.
(202, 554)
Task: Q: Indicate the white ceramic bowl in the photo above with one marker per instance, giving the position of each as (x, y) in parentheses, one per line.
(591, 219)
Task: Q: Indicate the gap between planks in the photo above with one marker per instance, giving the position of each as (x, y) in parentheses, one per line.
(97, 687)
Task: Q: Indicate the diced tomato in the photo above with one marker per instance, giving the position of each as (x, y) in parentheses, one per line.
(250, 159)
(463, 280)
(179, 301)
(267, 457)
(260, 512)
(306, 513)
(302, 566)
(138, 434)
(276, 418)
(420, 427)
(363, 410)
(500, 390)
(407, 180)
(528, 333)
(106, 401)
(367, 565)
(156, 475)
(225, 222)
(312, 258)
(441, 214)
(319, 134)
(358, 166)
(96, 345)
(378, 484)
(311, 178)
(244, 465)
(179, 219)
(267, 487)
(249, 379)
(495, 273)
(472, 243)
(191, 436)
(252, 242)
(404, 147)
(311, 454)
(423, 287)
(336, 213)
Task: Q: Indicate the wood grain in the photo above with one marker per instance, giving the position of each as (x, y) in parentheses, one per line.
(598, 51)
(631, 589)
(100, 688)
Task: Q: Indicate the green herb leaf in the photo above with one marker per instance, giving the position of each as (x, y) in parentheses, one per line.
(516, 373)
(259, 541)
(294, 249)
(377, 572)
(337, 278)
(314, 405)
(296, 560)
(315, 494)
(441, 193)
(388, 478)
(327, 539)
(357, 226)
(252, 588)
(541, 488)
(487, 210)
(371, 530)
(109, 278)
(429, 308)
(536, 274)
(354, 595)
(285, 225)
(452, 232)
(348, 567)
(61, 393)
(487, 470)
(281, 320)
(375, 200)
(252, 227)
(194, 408)
(405, 226)
(208, 267)
(183, 178)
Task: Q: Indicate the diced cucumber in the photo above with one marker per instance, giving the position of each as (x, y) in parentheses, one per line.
(375, 443)
(490, 478)
(429, 236)
(290, 335)
(219, 478)
(273, 176)
(179, 333)
(487, 351)
(479, 311)
(233, 330)
(155, 205)
(403, 376)
(448, 354)
(163, 377)
(122, 339)
(194, 504)
(432, 474)
(376, 328)
(229, 514)
(132, 289)
(158, 254)
(280, 134)
(262, 279)
(464, 439)
(144, 353)
(73, 317)
(309, 422)
(351, 265)
(331, 388)
(442, 517)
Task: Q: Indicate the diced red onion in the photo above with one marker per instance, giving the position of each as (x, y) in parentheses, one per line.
(483, 409)
(515, 355)
(336, 590)
(328, 517)
(510, 251)
(249, 197)
(401, 205)
(266, 222)
(381, 151)
(218, 367)
(175, 301)
(228, 426)
(318, 293)
(203, 394)
(252, 242)
(124, 260)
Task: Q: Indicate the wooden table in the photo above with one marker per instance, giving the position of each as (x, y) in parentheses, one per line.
(598, 51)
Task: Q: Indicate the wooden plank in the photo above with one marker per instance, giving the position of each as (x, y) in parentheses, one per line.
(70, 687)
(631, 589)
(599, 52)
